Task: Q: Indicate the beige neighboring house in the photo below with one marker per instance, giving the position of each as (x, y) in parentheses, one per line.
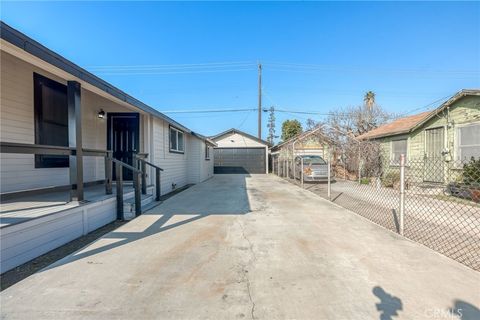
(239, 152)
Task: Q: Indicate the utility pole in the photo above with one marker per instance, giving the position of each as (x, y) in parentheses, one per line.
(260, 101)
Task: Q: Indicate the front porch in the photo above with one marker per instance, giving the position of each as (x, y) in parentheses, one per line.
(40, 204)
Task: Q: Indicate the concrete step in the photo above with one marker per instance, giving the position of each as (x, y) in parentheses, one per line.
(129, 205)
(129, 202)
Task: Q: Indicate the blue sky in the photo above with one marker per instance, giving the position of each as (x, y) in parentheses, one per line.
(409, 54)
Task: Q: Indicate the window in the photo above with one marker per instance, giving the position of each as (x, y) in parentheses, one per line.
(51, 119)
(399, 147)
(176, 140)
(207, 152)
(313, 160)
(469, 142)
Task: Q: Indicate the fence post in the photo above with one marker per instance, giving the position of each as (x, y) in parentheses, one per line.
(301, 174)
(359, 171)
(294, 169)
(108, 173)
(143, 168)
(138, 195)
(119, 185)
(157, 184)
(329, 186)
(288, 164)
(402, 192)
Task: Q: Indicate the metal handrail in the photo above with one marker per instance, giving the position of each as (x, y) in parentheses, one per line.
(27, 148)
(142, 163)
(119, 184)
(149, 163)
(126, 165)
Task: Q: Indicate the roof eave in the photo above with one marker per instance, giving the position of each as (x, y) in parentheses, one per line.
(36, 49)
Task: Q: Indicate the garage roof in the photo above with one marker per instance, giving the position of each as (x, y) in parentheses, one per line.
(233, 131)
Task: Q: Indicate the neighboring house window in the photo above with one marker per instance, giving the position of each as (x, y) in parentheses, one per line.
(51, 119)
(399, 147)
(469, 142)
(207, 152)
(176, 140)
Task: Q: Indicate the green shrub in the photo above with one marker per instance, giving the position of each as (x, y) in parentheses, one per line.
(365, 181)
(391, 179)
(471, 172)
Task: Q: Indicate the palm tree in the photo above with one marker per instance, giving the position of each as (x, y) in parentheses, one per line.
(369, 99)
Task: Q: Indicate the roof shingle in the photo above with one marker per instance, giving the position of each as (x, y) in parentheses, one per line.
(402, 125)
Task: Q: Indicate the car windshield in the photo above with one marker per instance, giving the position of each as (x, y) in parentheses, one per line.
(313, 160)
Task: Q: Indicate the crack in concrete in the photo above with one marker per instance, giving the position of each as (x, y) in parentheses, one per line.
(250, 244)
(252, 310)
(245, 271)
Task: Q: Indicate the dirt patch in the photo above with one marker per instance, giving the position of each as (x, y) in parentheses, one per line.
(25, 270)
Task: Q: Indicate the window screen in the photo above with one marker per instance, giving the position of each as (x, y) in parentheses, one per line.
(399, 147)
(469, 142)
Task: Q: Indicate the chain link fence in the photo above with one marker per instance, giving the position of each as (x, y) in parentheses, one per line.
(439, 206)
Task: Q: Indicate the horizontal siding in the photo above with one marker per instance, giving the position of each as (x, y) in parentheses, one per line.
(25, 241)
(174, 164)
(194, 160)
(17, 125)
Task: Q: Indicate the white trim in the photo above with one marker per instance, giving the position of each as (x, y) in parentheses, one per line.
(177, 135)
(207, 152)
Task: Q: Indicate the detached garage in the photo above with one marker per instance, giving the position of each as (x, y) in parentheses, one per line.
(239, 152)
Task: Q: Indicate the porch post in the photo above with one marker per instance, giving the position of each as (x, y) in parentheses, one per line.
(75, 140)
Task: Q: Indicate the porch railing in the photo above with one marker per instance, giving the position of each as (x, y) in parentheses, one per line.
(142, 166)
(139, 172)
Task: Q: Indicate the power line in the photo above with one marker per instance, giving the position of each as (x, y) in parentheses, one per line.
(208, 110)
(184, 65)
(317, 67)
(170, 72)
(429, 105)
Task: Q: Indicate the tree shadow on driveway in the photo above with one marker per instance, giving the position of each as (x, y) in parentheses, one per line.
(389, 304)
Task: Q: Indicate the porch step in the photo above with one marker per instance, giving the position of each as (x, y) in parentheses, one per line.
(129, 205)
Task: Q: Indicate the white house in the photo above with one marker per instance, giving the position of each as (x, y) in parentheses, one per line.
(58, 124)
(240, 152)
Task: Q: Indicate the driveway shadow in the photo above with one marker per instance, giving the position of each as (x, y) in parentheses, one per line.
(222, 195)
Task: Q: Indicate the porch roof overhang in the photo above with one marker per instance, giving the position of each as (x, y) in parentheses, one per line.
(25, 48)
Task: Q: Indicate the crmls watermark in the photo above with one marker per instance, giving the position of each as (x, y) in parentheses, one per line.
(435, 313)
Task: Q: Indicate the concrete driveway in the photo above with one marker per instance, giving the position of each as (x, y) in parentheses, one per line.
(243, 247)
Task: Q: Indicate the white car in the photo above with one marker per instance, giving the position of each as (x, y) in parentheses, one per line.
(315, 168)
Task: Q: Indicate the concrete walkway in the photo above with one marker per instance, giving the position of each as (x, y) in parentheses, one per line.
(243, 247)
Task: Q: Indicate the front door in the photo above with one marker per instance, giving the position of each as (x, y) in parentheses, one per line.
(434, 162)
(123, 138)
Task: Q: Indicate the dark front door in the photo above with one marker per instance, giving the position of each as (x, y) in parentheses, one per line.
(123, 138)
